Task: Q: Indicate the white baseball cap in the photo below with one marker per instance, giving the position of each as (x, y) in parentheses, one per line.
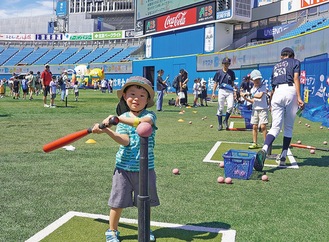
(255, 74)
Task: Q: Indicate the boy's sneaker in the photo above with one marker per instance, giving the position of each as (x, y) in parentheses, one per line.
(52, 106)
(152, 237)
(46, 105)
(253, 146)
(112, 235)
(260, 159)
(281, 161)
(220, 127)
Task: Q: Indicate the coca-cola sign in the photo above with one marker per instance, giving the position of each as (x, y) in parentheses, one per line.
(177, 19)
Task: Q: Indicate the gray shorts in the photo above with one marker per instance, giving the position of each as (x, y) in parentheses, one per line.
(259, 116)
(125, 187)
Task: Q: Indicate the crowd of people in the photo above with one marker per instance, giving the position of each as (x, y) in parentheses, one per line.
(25, 86)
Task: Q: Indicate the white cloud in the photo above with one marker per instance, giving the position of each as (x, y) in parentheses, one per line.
(25, 8)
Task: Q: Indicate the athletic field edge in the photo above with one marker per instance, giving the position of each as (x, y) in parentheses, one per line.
(228, 235)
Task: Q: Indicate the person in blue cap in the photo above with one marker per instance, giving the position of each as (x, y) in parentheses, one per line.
(224, 81)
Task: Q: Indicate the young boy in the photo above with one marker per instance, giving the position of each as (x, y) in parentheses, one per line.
(76, 90)
(259, 106)
(196, 91)
(135, 96)
(16, 86)
(203, 95)
(52, 92)
(25, 87)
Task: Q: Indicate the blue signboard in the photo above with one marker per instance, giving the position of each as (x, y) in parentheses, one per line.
(61, 8)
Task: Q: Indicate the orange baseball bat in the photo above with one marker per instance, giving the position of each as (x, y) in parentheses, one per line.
(75, 136)
(308, 147)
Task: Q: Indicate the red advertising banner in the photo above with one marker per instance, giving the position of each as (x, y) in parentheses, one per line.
(177, 20)
(309, 3)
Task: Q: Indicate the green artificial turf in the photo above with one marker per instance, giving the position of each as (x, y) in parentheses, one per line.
(87, 229)
(37, 188)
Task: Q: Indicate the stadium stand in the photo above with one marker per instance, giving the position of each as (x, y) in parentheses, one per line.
(35, 55)
(323, 24)
(19, 56)
(108, 55)
(7, 53)
(78, 56)
(48, 56)
(67, 53)
(93, 55)
(123, 54)
(308, 26)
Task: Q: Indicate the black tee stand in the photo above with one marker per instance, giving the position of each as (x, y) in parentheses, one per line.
(143, 202)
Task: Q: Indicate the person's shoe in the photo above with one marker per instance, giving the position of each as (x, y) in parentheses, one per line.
(253, 146)
(52, 106)
(260, 159)
(281, 161)
(220, 127)
(46, 105)
(112, 236)
(152, 237)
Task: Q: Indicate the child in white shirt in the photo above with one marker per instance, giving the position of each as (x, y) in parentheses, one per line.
(259, 106)
(196, 91)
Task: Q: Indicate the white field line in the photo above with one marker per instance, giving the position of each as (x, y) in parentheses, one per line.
(228, 235)
(290, 156)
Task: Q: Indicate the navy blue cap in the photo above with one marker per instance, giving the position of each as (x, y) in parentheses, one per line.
(226, 60)
(287, 50)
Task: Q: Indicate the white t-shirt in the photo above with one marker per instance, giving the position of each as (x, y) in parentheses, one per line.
(262, 102)
(104, 83)
(196, 88)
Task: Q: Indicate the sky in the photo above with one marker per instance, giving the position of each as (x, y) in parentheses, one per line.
(25, 8)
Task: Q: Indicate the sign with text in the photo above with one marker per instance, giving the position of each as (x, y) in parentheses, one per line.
(206, 13)
(46, 37)
(61, 8)
(108, 35)
(78, 36)
(23, 37)
(176, 20)
(186, 17)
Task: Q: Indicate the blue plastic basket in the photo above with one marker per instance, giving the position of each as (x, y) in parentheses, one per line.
(247, 117)
(239, 163)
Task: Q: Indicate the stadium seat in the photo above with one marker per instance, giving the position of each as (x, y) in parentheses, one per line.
(59, 59)
(76, 57)
(108, 55)
(19, 56)
(7, 53)
(123, 54)
(93, 55)
(48, 56)
(304, 28)
(36, 54)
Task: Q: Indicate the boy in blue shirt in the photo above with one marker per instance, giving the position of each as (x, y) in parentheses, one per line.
(135, 96)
